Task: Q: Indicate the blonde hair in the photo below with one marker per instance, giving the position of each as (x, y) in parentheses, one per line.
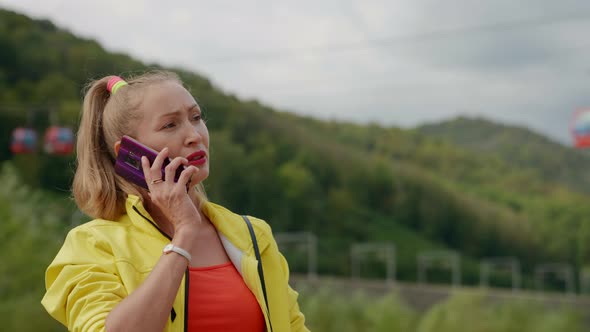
(97, 189)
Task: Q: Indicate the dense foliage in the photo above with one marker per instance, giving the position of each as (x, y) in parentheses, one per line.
(33, 225)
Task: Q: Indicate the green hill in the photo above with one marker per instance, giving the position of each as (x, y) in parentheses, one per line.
(519, 147)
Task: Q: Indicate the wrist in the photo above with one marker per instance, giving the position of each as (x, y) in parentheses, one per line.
(171, 248)
(185, 236)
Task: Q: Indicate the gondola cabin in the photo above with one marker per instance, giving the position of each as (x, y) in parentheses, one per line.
(580, 128)
(59, 140)
(24, 140)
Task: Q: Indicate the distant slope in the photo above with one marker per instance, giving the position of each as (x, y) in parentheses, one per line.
(519, 147)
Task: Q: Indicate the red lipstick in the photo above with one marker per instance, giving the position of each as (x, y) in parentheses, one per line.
(197, 158)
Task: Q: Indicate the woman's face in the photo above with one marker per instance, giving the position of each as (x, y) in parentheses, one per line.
(170, 117)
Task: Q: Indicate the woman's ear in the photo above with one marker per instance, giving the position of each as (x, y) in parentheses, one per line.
(117, 146)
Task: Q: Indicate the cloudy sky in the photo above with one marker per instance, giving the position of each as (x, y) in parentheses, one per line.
(398, 63)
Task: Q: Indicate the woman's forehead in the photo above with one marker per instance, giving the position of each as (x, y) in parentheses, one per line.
(167, 97)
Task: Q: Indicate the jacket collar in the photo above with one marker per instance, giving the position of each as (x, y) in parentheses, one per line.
(234, 228)
(141, 219)
(227, 223)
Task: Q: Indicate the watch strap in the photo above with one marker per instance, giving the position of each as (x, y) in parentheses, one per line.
(172, 248)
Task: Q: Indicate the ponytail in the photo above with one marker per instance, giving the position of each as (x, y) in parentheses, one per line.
(97, 190)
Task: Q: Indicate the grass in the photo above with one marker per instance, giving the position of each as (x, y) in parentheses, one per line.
(327, 311)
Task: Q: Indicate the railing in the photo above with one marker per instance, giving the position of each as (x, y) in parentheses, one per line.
(439, 259)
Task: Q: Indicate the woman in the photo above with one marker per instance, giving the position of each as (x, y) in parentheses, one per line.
(161, 259)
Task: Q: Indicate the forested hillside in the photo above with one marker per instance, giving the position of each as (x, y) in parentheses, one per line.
(519, 147)
(346, 183)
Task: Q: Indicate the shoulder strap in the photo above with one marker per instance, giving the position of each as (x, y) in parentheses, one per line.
(259, 259)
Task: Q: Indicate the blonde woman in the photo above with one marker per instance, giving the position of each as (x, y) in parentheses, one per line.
(161, 258)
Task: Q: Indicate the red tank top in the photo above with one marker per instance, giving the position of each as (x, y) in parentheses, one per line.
(219, 300)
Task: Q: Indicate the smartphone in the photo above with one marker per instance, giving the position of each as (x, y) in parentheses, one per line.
(128, 162)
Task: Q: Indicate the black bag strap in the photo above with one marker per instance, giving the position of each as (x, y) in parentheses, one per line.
(259, 259)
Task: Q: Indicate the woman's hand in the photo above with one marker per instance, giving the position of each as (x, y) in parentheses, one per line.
(171, 197)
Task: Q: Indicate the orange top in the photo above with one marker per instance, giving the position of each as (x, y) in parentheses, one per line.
(219, 300)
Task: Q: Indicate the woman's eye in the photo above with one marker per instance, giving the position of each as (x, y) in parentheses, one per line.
(169, 125)
(197, 117)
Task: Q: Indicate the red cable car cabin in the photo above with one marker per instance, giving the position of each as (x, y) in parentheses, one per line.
(580, 128)
(24, 140)
(59, 140)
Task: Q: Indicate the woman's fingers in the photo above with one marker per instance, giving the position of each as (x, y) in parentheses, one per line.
(170, 196)
(145, 167)
(172, 168)
(153, 173)
(187, 175)
(165, 180)
(156, 169)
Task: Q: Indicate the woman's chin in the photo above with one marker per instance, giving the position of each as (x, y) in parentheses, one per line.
(198, 178)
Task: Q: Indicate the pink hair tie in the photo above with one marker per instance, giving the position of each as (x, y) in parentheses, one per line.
(114, 83)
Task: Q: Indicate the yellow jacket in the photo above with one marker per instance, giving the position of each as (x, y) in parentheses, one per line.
(102, 261)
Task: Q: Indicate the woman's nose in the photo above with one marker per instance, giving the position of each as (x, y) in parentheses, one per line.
(192, 135)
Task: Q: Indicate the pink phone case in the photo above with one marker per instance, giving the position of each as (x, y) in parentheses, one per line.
(128, 162)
